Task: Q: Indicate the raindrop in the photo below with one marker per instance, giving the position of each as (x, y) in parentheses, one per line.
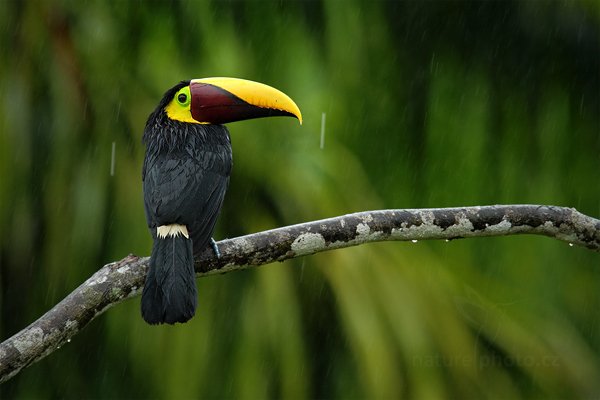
(322, 145)
(112, 160)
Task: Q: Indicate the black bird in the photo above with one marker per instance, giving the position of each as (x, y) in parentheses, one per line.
(186, 173)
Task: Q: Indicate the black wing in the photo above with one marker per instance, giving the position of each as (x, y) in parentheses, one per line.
(187, 187)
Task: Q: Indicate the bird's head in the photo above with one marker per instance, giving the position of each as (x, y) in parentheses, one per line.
(192, 106)
(223, 100)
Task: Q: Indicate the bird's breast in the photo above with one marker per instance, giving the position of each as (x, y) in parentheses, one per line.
(186, 184)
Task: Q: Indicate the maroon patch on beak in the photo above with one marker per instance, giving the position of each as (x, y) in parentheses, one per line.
(214, 105)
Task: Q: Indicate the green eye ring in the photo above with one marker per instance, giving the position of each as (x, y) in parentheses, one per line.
(183, 97)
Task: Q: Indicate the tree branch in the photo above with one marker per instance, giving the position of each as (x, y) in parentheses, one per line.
(123, 279)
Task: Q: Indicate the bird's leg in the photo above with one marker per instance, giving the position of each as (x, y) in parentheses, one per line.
(215, 247)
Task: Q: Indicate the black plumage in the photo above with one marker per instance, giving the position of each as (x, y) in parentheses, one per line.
(185, 176)
(186, 173)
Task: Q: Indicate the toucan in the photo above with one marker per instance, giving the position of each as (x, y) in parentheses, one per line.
(185, 176)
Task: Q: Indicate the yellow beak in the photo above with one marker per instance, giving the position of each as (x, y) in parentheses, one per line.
(222, 100)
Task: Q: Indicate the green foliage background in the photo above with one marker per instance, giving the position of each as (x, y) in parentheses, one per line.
(429, 104)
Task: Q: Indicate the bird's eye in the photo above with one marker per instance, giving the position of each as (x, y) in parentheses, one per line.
(182, 98)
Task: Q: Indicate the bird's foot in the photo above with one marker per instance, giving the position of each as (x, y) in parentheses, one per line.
(215, 247)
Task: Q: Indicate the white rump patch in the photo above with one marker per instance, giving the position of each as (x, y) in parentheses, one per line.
(172, 230)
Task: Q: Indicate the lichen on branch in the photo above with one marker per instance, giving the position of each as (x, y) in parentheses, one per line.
(124, 279)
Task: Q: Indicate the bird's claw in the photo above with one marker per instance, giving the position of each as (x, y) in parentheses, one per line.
(215, 248)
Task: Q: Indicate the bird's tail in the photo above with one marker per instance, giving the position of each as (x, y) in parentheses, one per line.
(170, 293)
